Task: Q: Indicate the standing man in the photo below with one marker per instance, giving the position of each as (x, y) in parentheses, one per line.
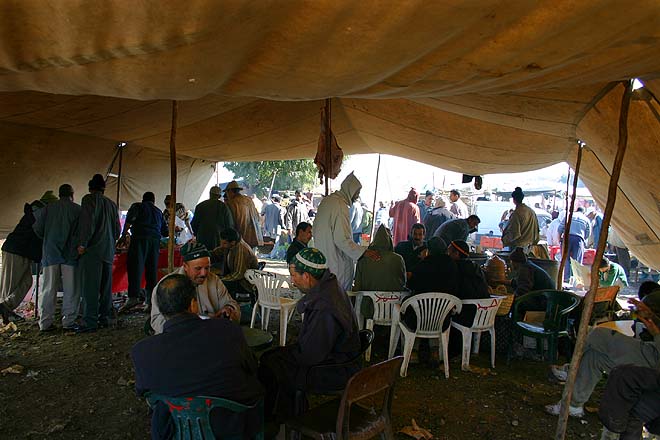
(55, 224)
(212, 298)
(578, 236)
(99, 231)
(211, 217)
(405, 214)
(145, 221)
(457, 229)
(522, 229)
(273, 214)
(296, 213)
(21, 248)
(246, 216)
(597, 224)
(458, 207)
(303, 237)
(438, 216)
(425, 206)
(382, 215)
(333, 232)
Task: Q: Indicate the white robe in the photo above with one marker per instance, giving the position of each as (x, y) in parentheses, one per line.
(333, 235)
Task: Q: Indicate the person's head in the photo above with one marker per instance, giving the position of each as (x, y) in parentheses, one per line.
(647, 287)
(307, 268)
(304, 232)
(149, 197)
(66, 191)
(454, 195)
(518, 257)
(473, 222)
(298, 195)
(175, 294)
(97, 184)
(436, 246)
(580, 209)
(229, 238)
(232, 190)
(214, 192)
(440, 202)
(276, 198)
(417, 233)
(381, 204)
(537, 205)
(604, 265)
(351, 187)
(458, 250)
(167, 200)
(428, 198)
(413, 195)
(517, 195)
(196, 262)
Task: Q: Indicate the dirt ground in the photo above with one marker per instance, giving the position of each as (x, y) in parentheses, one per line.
(81, 386)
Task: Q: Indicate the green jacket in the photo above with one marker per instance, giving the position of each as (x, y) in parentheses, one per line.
(388, 274)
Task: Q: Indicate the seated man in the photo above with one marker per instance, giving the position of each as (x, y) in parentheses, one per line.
(631, 400)
(236, 257)
(303, 236)
(329, 334)
(611, 274)
(212, 298)
(471, 281)
(410, 250)
(606, 349)
(180, 363)
(528, 277)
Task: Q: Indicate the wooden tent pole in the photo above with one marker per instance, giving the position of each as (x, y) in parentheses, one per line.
(328, 145)
(567, 229)
(173, 174)
(121, 157)
(588, 302)
(373, 222)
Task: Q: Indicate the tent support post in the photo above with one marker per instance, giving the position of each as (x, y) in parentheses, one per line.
(373, 210)
(173, 174)
(328, 144)
(121, 157)
(588, 302)
(564, 247)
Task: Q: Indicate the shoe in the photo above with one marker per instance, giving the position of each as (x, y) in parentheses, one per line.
(51, 328)
(9, 315)
(73, 328)
(129, 304)
(573, 411)
(80, 330)
(560, 372)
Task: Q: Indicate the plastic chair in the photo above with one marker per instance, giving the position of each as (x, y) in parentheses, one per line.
(431, 310)
(559, 304)
(484, 321)
(383, 308)
(191, 415)
(269, 288)
(345, 419)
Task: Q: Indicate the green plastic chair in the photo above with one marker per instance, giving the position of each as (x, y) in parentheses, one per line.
(191, 415)
(555, 324)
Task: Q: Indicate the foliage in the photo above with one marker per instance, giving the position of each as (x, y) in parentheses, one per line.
(291, 174)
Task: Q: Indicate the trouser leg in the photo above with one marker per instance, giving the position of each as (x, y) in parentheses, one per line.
(105, 297)
(16, 280)
(623, 256)
(71, 299)
(152, 253)
(135, 266)
(48, 295)
(90, 285)
(606, 349)
(277, 371)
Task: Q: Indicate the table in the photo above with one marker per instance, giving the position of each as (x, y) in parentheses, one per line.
(120, 274)
(624, 327)
(257, 339)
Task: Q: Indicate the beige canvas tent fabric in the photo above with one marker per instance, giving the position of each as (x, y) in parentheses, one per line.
(476, 87)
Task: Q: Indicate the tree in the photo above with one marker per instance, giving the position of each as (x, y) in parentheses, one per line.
(289, 174)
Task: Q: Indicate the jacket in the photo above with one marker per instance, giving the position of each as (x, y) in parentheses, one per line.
(23, 240)
(57, 224)
(211, 217)
(388, 274)
(522, 230)
(98, 226)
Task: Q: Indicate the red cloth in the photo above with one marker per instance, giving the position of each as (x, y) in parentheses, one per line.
(405, 215)
(120, 274)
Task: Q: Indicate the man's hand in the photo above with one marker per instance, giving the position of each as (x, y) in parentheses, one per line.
(81, 250)
(646, 316)
(372, 254)
(228, 312)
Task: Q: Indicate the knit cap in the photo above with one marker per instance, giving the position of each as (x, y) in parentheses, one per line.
(193, 250)
(311, 260)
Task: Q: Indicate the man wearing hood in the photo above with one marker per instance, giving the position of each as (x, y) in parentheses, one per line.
(386, 275)
(405, 214)
(329, 335)
(333, 235)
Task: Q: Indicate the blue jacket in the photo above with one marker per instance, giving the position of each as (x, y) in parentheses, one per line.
(580, 226)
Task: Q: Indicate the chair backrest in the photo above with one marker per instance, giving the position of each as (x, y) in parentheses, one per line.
(486, 311)
(365, 383)
(431, 310)
(604, 303)
(268, 285)
(383, 304)
(581, 273)
(191, 414)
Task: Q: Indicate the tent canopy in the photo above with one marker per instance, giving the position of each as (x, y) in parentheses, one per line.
(481, 87)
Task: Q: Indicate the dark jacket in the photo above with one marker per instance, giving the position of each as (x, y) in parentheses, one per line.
(436, 273)
(295, 247)
(457, 229)
(146, 221)
(98, 226)
(471, 285)
(195, 357)
(410, 255)
(211, 217)
(435, 218)
(329, 332)
(531, 277)
(22, 240)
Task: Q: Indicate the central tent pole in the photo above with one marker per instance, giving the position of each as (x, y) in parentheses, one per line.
(172, 207)
(567, 228)
(373, 210)
(328, 145)
(588, 302)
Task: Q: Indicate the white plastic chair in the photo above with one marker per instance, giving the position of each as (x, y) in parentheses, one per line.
(431, 310)
(269, 297)
(384, 303)
(484, 321)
